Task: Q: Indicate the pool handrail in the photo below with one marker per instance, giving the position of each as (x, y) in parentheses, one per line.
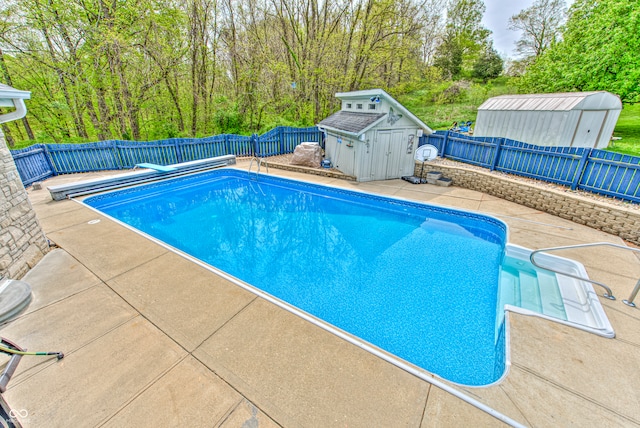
(608, 293)
(258, 162)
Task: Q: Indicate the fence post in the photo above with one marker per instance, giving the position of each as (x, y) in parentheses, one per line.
(496, 154)
(444, 143)
(321, 138)
(254, 145)
(47, 157)
(582, 166)
(116, 154)
(177, 143)
(281, 134)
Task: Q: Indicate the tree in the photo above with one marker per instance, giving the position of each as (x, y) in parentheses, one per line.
(488, 65)
(598, 51)
(463, 39)
(433, 23)
(149, 69)
(539, 26)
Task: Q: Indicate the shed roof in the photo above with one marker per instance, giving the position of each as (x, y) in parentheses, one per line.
(351, 122)
(358, 123)
(565, 101)
(384, 95)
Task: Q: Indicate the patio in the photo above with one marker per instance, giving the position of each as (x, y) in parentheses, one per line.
(153, 339)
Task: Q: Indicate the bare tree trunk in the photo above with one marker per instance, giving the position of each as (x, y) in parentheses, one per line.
(112, 54)
(176, 102)
(78, 122)
(195, 47)
(132, 110)
(103, 108)
(233, 49)
(18, 129)
(7, 136)
(81, 80)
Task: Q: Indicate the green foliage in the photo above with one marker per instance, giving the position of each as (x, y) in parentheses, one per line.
(147, 69)
(154, 69)
(228, 121)
(449, 56)
(599, 51)
(426, 103)
(162, 129)
(488, 65)
(463, 39)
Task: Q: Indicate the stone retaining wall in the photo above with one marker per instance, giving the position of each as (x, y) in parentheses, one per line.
(613, 219)
(324, 172)
(22, 242)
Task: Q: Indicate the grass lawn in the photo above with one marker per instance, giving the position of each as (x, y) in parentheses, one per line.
(628, 129)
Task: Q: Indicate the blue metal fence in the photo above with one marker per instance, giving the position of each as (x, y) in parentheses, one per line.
(598, 171)
(42, 161)
(33, 164)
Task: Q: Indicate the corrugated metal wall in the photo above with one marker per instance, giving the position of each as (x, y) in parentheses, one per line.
(570, 120)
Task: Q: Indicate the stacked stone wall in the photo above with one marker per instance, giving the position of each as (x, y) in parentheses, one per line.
(314, 171)
(610, 218)
(22, 242)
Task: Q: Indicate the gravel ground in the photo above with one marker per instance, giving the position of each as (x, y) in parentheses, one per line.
(540, 183)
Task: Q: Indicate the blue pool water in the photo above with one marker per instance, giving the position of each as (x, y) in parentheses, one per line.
(415, 280)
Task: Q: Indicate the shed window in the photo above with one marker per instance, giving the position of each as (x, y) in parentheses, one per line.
(359, 106)
(372, 106)
(348, 105)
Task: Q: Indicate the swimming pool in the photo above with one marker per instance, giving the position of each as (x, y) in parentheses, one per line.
(415, 280)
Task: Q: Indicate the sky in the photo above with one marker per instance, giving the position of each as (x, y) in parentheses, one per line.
(496, 19)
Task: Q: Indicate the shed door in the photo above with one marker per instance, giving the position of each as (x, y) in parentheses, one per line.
(387, 151)
(589, 127)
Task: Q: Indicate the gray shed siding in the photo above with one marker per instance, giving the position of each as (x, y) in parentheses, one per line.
(373, 137)
(581, 119)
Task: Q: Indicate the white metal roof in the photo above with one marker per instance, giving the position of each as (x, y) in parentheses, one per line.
(565, 101)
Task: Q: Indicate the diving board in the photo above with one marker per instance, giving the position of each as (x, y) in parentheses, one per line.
(160, 168)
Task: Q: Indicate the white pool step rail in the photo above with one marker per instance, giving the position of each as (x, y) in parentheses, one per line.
(557, 289)
(608, 294)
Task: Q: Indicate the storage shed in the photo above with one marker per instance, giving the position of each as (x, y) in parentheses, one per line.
(373, 137)
(572, 119)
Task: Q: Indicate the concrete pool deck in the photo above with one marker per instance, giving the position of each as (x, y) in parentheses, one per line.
(152, 339)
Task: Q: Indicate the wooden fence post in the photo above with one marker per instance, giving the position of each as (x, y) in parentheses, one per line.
(582, 166)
